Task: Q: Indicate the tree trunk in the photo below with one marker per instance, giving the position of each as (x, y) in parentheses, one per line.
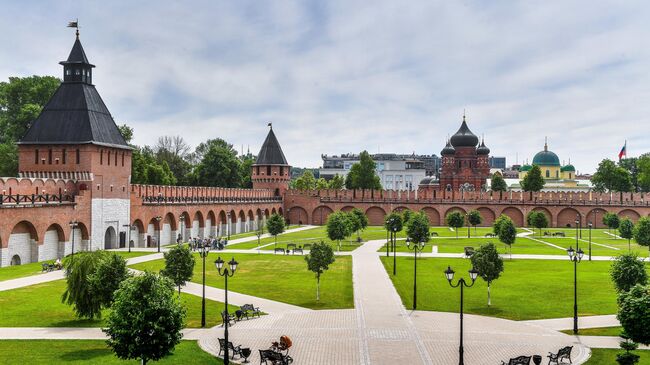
(318, 287)
(489, 300)
(144, 361)
(179, 290)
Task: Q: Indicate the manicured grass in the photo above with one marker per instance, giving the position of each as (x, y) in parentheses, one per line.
(527, 289)
(608, 357)
(47, 352)
(278, 277)
(603, 331)
(35, 268)
(40, 306)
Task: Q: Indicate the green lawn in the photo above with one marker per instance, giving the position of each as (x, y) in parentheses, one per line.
(603, 331)
(40, 306)
(35, 352)
(35, 268)
(608, 357)
(278, 277)
(527, 289)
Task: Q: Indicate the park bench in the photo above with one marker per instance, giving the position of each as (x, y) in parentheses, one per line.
(469, 251)
(489, 235)
(559, 357)
(306, 246)
(547, 233)
(279, 249)
(434, 234)
(270, 357)
(521, 360)
(47, 267)
(225, 316)
(298, 249)
(234, 351)
(290, 246)
(250, 310)
(559, 234)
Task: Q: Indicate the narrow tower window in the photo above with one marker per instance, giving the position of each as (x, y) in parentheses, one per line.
(36, 157)
(78, 157)
(63, 155)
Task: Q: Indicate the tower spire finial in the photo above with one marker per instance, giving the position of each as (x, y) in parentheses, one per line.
(463, 114)
(270, 125)
(75, 24)
(545, 143)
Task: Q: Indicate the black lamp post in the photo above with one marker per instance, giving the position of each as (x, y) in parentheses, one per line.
(389, 230)
(394, 250)
(576, 257)
(203, 252)
(226, 272)
(449, 274)
(590, 225)
(158, 219)
(73, 226)
(417, 247)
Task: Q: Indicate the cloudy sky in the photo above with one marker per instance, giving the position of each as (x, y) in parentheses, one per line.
(341, 76)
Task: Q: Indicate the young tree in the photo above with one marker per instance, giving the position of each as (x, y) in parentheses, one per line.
(306, 181)
(393, 223)
(406, 216)
(626, 230)
(417, 228)
(497, 183)
(110, 272)
(318, 260)
(628, 270)
(634, 313)
(609, 177)
(362, 174)
(643, 168)
(611, 220)
(146, 319)
(321, 184)
(474, 218)
(642, 232)
(79, 293)
(275, 225)
(338, 227)
(538, 220)
(498, 223)
(337, 182)
(179, 265)
(507, 232)
(219, 165)
(354, 222)
(533, 181)
(488, 263)
(455, 220)
(362, 220)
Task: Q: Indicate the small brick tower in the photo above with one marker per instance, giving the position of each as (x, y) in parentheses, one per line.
(271, 170)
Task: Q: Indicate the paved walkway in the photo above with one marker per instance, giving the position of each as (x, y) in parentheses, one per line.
(380, 330)
(561, 324)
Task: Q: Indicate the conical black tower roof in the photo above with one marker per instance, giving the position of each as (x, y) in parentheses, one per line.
(75, 114)
(271, 152)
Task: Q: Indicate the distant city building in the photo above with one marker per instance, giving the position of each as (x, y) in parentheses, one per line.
(497, 162)
(396, 172)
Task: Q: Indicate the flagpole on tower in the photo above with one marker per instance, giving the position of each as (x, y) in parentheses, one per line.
(75, 24)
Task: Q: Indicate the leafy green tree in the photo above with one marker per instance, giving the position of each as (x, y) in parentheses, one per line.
(393, 222)
(339, 227)
(533, 181)
(538, 220)
(320, 257)
(79, 292)
(628, 270)
(246, 169)
(306, 181)
(126, 132)
(417, 228)
(498, 223)
(497, 183)
(643, 171)
(21, 101)
(8, 159)
(609, 177)
(474, 218)
(146, 319)
(488, 263)
(634, 313)
(110, 272)
(507, 231)
(611, 220)
(630, 164)
(362, 174)
(179, 265)
(337, 182)
(219, 165)
(321, 184)
(275, 225)
(627, 357)
(406, 216)
(361, 221)
(642, 232)
(626, 230)
(455, 220)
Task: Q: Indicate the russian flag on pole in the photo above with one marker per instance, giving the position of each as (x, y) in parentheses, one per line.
(623, 151)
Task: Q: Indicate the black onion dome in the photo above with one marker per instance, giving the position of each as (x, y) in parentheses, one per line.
(464, 137)
(482, 149)
(448, 150)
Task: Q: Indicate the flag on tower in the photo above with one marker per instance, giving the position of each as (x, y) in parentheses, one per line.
(74, 24)
(623, 151)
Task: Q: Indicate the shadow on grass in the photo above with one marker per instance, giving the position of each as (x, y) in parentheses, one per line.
(88, 354)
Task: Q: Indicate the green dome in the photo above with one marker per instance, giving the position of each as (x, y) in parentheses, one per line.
(568, 167)
(525, 168)
(546, 158)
